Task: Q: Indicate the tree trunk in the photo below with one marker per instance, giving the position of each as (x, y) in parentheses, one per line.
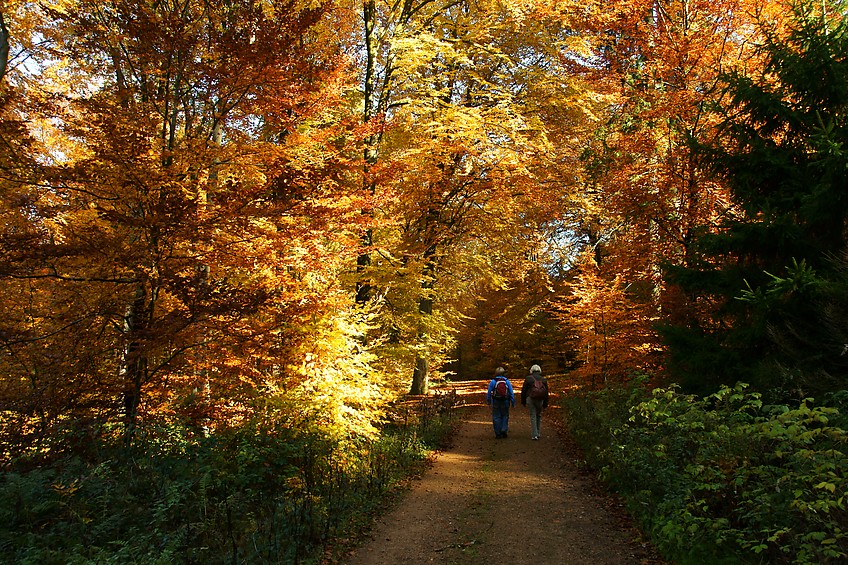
(421, 373)
(420, 377)
(4, 46)
(134, 362)
(369, 88)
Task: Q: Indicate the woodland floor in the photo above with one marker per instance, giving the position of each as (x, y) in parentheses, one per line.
(510, 501)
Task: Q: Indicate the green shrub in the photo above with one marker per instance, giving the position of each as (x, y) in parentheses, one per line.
(725, 479)
(593, 416)
(247, 495)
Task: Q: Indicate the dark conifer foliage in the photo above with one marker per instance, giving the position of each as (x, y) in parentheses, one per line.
(773, 264)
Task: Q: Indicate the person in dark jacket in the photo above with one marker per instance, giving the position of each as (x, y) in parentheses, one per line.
(500, 403)
(534, 395)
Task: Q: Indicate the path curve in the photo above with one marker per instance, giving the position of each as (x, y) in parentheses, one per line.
(512, 501)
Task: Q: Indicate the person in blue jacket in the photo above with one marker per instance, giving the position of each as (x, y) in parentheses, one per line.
(500, 397)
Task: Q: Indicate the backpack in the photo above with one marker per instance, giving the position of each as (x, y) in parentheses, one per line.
(538, 389)
(500, 388)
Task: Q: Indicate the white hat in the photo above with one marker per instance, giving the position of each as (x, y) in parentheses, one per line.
(535, 369)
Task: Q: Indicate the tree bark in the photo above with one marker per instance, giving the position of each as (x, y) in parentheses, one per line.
(372, 102)
(421, 373)
(4, 46)
(134, 362)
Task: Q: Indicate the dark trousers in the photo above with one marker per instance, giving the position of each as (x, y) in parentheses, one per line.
(500, 416)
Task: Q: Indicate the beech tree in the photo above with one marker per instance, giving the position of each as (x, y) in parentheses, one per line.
(4, 46)
(469, 160)
(193, 191)
(189, 207)
(659, 62)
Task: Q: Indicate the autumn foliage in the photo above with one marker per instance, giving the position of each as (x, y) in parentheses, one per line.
(187, 218)
(273, 218)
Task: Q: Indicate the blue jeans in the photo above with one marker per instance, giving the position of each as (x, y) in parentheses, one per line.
(500, 416)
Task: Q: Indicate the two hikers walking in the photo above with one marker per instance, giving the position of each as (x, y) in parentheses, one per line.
(500, 396)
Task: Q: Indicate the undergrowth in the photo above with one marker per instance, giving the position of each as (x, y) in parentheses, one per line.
(245, 495)
(722, 479)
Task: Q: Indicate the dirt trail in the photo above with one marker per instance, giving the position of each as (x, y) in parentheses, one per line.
(511, 501)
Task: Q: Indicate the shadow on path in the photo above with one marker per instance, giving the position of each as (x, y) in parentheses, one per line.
(511, 501)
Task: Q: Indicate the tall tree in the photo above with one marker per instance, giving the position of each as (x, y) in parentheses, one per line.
(4, 45)
(384, 26)
(474, 161)
(187, 203)
(659, 62)
(780, 150)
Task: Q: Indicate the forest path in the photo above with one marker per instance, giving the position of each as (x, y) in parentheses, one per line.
(511, 501)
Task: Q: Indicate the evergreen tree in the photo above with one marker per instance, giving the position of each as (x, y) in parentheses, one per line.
(771, 269)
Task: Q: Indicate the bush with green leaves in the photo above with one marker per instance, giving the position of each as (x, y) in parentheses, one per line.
(725, 479)
(254, 494)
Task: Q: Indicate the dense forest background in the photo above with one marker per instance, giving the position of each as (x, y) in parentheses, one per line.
(245, 230)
